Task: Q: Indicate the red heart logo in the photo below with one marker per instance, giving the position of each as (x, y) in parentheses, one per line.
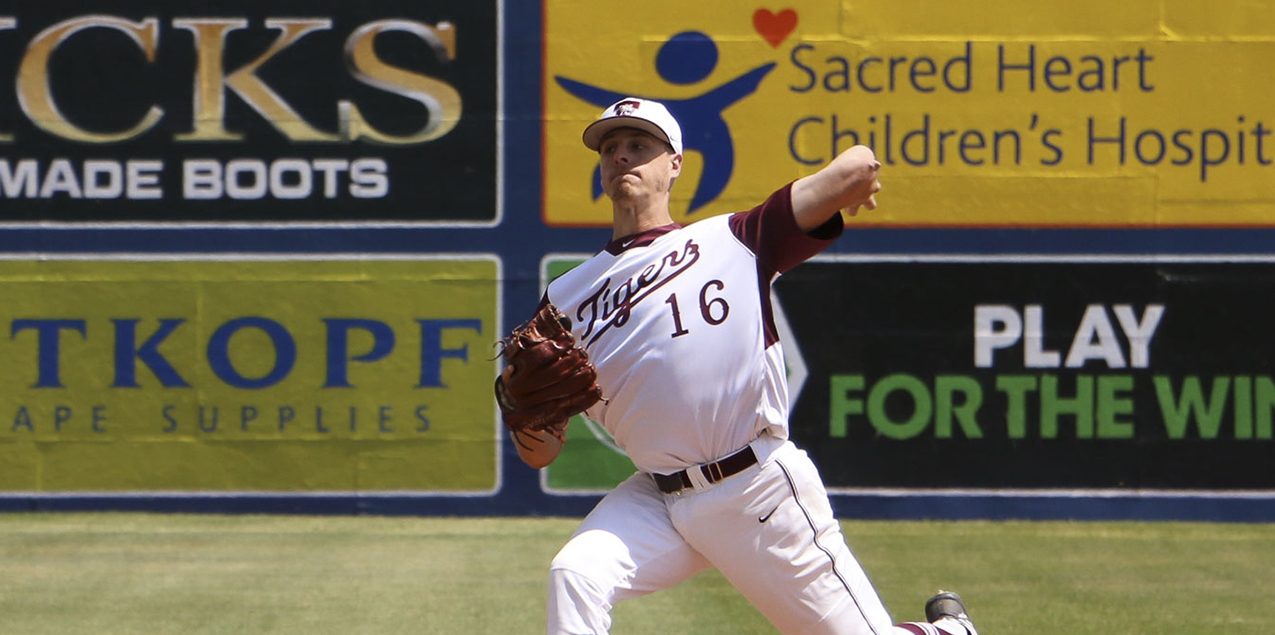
(774, 27)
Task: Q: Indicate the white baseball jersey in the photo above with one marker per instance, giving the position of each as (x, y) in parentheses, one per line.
(678, 322)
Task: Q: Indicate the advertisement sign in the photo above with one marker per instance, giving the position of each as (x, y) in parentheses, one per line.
(987, 114)
(257, 375)
(1035, 374)
(153, 112)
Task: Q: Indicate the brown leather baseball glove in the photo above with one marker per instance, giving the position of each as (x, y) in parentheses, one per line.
(549, 379)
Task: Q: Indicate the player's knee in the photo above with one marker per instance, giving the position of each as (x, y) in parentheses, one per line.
(565, 578)
(574, 589)
(575, 573)
(569, 557)
(576, 604)
(589, 554)
(570, 568)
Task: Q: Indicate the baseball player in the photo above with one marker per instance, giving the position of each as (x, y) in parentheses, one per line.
(678, 323)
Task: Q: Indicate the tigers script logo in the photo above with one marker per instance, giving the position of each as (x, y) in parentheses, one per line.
(611, 305)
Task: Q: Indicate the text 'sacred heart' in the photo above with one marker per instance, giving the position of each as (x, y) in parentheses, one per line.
(774, 27)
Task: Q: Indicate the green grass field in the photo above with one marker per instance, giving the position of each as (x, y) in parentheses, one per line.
(112, 574)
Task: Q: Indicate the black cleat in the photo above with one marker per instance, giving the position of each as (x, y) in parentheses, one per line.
(948, 605)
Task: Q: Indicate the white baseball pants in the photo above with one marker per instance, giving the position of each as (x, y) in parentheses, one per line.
(769, 530)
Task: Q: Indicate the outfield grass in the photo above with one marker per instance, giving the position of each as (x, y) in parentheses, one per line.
(114, 574)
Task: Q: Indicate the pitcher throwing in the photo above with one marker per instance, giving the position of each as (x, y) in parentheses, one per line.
(677, 322)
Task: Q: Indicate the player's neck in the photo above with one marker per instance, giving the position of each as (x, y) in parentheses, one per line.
(630, 217)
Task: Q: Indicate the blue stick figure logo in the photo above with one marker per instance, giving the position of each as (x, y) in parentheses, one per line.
(687, 58)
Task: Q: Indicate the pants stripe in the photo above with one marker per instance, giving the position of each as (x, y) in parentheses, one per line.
(815, 529)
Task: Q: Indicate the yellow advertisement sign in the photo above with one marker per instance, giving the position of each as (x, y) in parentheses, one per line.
(248, 375)
(984, 114)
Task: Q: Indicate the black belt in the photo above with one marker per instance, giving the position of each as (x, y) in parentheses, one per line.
(713, 472)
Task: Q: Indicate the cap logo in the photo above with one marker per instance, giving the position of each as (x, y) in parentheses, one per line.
(626, 108)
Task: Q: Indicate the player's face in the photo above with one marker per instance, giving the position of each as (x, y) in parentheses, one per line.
(635, 163)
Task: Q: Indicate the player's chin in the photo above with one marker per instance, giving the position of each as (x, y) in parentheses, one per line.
(622, 189)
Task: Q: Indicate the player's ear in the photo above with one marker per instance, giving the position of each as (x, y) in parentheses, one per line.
(677, 166)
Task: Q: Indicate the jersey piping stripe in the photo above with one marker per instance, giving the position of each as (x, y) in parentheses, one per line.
(765, 276)
(815, 530)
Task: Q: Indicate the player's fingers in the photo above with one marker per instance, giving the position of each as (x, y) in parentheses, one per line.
(872, 202)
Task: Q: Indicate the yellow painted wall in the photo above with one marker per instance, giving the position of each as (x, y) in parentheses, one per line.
(417, 415)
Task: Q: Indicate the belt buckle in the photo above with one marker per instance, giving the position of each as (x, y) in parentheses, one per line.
(713, 472)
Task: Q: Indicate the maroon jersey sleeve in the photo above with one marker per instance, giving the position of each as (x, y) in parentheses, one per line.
(771, 232)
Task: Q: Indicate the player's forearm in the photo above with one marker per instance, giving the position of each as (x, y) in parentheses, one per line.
(848, 182)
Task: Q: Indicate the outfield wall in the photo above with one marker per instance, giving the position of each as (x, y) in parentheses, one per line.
(254, 255)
